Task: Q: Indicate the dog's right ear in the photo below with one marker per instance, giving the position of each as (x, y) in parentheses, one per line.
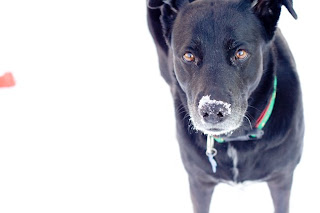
(268, 11)
(169, 10)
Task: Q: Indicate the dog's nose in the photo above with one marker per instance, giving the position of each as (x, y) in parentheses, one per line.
(214, 111)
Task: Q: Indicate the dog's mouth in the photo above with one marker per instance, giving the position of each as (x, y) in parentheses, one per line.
(226, 129)
(222, 132)
(216, 130)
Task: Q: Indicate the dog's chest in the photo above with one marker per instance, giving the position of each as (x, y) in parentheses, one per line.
(240, 165)
(233, 154)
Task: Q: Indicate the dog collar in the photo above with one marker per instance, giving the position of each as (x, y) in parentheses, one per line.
(253, 134)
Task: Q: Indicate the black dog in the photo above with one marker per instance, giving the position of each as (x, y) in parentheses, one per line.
(234, 82)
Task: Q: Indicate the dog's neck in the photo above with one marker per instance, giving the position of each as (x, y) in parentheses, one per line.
(260, 97)
(258, 102)
(255, 131)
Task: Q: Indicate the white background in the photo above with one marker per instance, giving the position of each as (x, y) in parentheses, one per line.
(89, 126)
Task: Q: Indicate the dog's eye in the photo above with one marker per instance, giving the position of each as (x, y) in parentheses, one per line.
(241, 54)
(189, 57)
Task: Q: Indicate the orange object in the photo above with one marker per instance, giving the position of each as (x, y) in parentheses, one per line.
(7, 80)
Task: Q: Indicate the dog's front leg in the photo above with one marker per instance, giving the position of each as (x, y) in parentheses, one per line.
(280, 189)
(201, 193)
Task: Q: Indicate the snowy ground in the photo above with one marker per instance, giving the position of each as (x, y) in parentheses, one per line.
(89, 126)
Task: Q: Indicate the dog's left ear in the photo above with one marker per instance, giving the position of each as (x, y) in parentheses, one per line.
(268, 11)
(154, 4)
(169, 10)
(174, 4)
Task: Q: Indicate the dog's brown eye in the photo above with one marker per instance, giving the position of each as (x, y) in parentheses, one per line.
(189, 57)
(241, 54)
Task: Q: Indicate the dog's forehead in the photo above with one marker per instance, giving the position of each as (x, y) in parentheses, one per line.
(198, 11)
(211, 19)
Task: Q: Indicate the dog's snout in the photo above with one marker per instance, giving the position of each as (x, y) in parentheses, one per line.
(213, 111)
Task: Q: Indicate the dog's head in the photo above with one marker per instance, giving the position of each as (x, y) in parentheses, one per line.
(218, 48)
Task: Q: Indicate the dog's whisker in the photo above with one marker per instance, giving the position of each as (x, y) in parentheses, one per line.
(249, 116)
(248, 121)
(255, 108)
(180, 109)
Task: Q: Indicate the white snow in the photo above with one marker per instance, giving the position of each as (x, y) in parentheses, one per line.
(207, 100)
(90, 124)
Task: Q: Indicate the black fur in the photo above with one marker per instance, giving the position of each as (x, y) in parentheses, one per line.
(213, 31)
